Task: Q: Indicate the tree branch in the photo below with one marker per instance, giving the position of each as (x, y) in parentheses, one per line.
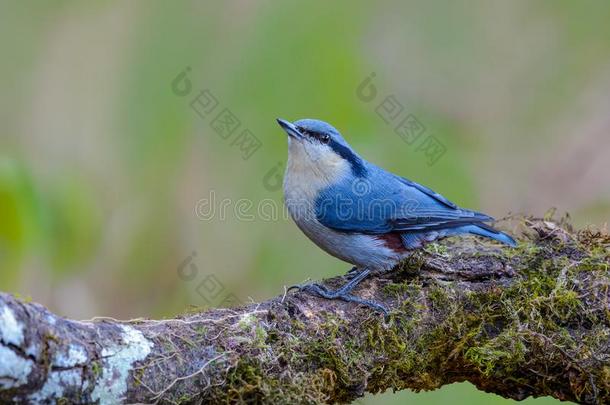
(522, 322)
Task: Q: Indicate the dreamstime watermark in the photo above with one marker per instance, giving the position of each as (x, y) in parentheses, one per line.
(211, 290)
(274, 178)
(228, 127)
(407, 126)
(225, 123)
(360, 204)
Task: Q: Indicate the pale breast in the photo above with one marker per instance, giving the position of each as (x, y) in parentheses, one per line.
(358, 249)
(303, 182)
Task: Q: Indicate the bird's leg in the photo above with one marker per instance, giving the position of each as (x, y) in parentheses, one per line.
(352, 273)
(349, 286)
(322, 291)
(343, 292)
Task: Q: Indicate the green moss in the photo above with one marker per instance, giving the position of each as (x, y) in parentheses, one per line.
(138, 375)
(506, 335)
(439, 298)
(500, 355)
(96, 369)
(437, 249)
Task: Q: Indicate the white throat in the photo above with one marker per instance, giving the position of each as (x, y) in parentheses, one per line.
(310, 169)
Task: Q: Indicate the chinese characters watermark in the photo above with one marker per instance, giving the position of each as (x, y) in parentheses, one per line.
(211, 290)
(405, 125)
(225, 123)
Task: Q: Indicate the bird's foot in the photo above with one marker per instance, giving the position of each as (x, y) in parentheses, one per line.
(342, 293)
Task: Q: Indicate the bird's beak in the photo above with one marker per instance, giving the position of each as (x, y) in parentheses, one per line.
(290, 129)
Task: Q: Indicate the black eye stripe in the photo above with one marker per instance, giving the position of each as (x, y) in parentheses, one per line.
(356, 163)
(317, 135)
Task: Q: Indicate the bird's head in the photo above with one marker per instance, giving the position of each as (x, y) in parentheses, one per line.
(318, 146)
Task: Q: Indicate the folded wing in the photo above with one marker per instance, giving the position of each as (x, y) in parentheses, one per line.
(383, 203)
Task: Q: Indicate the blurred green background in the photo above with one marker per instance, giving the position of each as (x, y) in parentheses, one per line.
(103, 166)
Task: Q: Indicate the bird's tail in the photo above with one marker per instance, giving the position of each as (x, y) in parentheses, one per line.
(487, 231)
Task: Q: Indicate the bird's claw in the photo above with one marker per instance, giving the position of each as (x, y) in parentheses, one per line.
(323, 292)
(314, 288)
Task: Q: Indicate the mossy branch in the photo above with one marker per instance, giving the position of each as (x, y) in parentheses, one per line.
(522, 322)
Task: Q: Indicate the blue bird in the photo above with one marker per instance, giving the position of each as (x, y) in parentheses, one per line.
(361, 213)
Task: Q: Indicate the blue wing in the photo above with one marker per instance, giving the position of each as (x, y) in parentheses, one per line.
(383, 202)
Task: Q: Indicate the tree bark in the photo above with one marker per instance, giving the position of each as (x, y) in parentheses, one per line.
(529, 321)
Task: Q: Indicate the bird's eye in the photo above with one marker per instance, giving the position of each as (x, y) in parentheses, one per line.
(325, 138)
